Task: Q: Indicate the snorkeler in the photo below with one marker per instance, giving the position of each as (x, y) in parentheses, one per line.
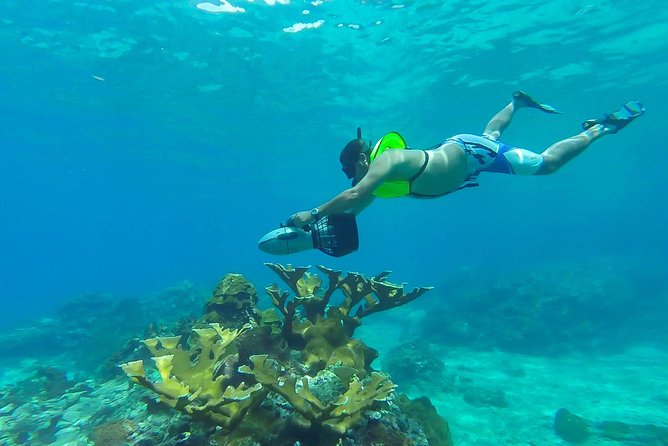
(455, 163)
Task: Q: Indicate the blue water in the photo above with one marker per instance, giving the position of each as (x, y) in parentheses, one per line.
(145, 147)
(144, 143)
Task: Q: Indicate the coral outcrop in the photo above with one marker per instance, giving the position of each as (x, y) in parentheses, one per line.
(291, 374)
(113, 433)
(233, 303)
(196, 380)
(337, 415)
(323, 332)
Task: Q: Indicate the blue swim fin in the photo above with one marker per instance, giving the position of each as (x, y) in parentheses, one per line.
(521, 99)
(617, 120)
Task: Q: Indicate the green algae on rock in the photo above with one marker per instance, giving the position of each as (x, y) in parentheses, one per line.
(436, 428)
(576, 429)
(571, 427)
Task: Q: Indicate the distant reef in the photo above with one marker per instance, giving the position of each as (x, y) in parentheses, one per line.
(90, 328)
(585, 306)
(293, 374)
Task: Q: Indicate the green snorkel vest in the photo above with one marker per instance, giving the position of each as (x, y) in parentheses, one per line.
(390, 189)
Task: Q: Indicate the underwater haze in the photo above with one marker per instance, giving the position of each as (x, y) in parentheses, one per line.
(149, 145)
(145, 143)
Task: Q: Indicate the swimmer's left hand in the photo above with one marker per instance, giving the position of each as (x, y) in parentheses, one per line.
(300, 219)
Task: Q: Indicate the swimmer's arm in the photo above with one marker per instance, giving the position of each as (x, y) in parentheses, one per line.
(359, 196)
(363, 205)
(354, 199)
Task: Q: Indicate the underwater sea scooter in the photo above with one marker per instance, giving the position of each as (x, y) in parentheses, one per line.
(335, 235)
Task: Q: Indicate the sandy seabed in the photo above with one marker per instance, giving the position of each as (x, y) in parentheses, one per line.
(632, 388)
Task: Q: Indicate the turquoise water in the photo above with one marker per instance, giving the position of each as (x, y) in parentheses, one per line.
(147, 143)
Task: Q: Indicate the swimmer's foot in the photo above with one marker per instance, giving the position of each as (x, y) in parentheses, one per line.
(617, 120)
(521, 99)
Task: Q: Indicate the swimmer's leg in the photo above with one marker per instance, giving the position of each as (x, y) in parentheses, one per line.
(502, 119)
(617, 120)
(560, 153)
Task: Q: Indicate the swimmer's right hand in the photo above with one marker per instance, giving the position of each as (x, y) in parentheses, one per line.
(300, 219)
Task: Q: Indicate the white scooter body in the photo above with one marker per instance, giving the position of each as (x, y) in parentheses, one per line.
(286, 240)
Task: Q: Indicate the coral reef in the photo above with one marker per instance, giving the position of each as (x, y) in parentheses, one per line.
(90, 413)
(197, 380)
(293, 374)
(32, 410)
(112, 433)
(324, 333)
(337, 415)
(233, 303)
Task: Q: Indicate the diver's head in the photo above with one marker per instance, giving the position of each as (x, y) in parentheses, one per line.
(355, 158)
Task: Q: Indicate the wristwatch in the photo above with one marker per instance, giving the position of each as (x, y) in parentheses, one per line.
(315, 214)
